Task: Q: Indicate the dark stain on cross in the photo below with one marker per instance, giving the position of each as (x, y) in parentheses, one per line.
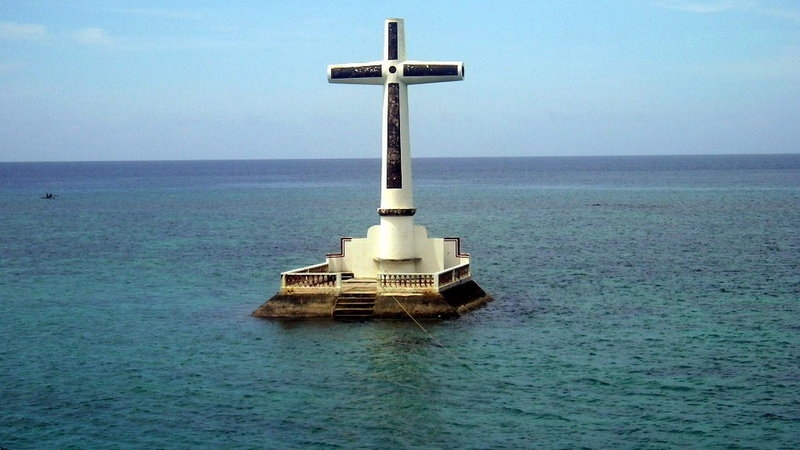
(394, 170)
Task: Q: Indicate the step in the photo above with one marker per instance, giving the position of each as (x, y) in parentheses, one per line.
(354, 306)
(360, 304)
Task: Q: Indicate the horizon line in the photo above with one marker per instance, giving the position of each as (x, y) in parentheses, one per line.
(660, 155)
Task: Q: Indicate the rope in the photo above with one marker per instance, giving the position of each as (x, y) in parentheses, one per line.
(439, 344)
(436, 341)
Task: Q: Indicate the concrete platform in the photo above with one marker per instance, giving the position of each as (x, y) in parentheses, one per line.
(358, 299)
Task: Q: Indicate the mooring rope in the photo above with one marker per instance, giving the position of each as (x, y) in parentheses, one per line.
(439, 344)
(436, 341)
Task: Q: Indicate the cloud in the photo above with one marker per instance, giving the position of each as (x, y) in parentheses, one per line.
(720, 6)
(705, 7)
(158, 13)
(21, 31)
(93, 36)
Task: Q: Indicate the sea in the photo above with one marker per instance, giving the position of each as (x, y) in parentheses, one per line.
(648, 302)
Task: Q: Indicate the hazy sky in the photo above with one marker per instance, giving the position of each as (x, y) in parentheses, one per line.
(227, 79)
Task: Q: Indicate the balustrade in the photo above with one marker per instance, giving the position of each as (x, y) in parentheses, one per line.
(406, 280)
(316, 276)
(310, 280)
(423, 281)
(453, 275)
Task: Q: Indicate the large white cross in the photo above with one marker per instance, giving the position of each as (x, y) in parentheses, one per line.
(396, 251)
(394, 72)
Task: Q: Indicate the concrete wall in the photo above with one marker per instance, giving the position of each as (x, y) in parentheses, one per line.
(359, 254)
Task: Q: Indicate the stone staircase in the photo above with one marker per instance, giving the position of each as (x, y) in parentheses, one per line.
(354, 306)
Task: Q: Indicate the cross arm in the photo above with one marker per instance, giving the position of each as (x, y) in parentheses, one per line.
(359, 73)
(411, 72)
(418, 72)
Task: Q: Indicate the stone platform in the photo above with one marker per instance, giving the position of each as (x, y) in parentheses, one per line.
(359, 299)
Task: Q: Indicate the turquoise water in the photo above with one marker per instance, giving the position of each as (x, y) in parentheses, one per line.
(642, 302)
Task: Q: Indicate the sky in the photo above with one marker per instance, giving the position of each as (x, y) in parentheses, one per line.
(99, 80)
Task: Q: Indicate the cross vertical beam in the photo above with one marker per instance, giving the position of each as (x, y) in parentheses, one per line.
(392, 47)
(394, 154)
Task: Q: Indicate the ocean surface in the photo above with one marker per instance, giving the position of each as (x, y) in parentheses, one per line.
(641, 302)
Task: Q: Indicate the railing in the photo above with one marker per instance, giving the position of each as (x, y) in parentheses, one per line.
(314, 277)
(406, 281)
(433, 282)
(317, 278)
(453, 275)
